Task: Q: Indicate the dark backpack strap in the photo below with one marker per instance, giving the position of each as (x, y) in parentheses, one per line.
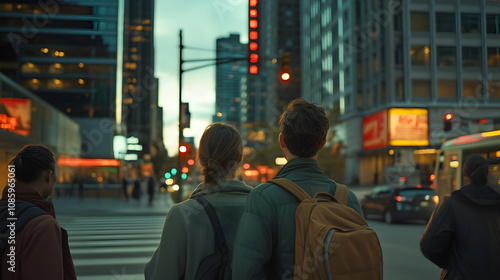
(290, 186)
(22, 214)
(220, 240)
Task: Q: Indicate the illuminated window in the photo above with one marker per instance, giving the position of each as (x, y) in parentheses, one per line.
(254, 35)
(253, 13)
(81, 65)
(254, 23)
(254, 69)
(447, 89)
(494, 57)
(421, 88)
(420, 55)
(254, 58)
(253, 46)
(472, 89)
(253, 3)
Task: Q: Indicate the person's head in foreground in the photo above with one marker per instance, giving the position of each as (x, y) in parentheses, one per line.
(35, 166)
(220, 152)
(303, 126)
(476, 170)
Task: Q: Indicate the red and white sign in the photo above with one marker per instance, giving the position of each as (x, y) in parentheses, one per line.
(18, 117)
(408, 127)
(375, 131)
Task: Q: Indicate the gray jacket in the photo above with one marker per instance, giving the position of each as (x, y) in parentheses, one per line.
(187, 236)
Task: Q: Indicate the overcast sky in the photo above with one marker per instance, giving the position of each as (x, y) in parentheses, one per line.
(202, 22)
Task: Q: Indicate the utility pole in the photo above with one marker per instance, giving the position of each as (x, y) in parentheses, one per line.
(212, 61)
(181, 128)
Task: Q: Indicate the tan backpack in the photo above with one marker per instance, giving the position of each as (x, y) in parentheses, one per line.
(332, 240)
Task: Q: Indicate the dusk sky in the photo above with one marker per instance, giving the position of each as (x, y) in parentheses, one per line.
(202, 22)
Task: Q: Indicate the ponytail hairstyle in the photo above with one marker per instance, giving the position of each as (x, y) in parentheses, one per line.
(220, 152)
(476, 168)
(31, 161)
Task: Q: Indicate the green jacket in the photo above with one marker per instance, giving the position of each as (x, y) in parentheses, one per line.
(187, 236)
(265, 241)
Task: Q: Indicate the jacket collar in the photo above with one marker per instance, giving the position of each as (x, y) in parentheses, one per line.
(222, 187)
(482, 195)
(26, 193)
(302, 164)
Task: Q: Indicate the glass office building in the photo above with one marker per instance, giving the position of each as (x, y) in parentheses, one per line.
(65, 53)
(368, 58)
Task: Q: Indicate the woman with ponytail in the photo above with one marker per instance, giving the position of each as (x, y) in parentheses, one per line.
(463, 234)
(41, 245)
(188, 247)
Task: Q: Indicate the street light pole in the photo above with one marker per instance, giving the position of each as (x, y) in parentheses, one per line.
(181, 130)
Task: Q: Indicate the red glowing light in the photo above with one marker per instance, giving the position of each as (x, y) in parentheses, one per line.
(254, 35)
(253, 13)
(253, 69)
(254, 58)
(398, 198)
(190, 161)
(254, 23)
(253, 3)
(253, 46)
(246, 166)
(448, 117)
(183, 149)
(185, 169)
(285, 76)
(432, 177)
(87, 162)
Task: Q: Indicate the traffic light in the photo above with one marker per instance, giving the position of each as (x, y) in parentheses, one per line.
(184, 176)
(185, 169)
(167, 175)
(183, 149)
(447, 121)
(285, 67)
(173, 171)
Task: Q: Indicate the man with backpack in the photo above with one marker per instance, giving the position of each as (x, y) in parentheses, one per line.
(287, 232)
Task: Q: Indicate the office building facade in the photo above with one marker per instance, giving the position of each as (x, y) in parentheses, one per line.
(228, 79)
(395, 69)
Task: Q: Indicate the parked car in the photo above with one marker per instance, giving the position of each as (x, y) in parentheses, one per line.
(397, 204)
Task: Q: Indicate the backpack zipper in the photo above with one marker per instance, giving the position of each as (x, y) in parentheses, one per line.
(326, 246)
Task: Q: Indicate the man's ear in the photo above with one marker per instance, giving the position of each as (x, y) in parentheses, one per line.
(47, 175)
(282, 141)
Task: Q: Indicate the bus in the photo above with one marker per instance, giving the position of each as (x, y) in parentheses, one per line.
(449, 163)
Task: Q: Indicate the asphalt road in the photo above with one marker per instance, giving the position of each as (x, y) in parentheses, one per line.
(401, 251)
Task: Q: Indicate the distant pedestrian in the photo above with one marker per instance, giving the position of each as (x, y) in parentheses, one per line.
(198, 236)
(137, 190)
(151, 190)
(463, 234)
(41, 249)
(125, 183)
(80, 191)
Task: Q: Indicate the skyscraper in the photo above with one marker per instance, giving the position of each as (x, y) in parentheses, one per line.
(64, 53)
(274, 47)
(228, 80)
(395, 69)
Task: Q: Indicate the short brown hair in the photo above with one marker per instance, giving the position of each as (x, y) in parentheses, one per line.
(304, 126)
(220, 151)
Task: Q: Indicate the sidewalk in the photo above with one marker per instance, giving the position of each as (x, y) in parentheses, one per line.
(92, 206)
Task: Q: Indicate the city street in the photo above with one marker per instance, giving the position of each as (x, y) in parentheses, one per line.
(111, 239)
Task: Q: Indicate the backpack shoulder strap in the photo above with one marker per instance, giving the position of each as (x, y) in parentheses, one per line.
(220, 240)
(22, 213)
(290, 186)
(342, 193)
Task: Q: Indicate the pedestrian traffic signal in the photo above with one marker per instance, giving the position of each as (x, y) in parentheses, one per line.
(285, 67)
(447, 121)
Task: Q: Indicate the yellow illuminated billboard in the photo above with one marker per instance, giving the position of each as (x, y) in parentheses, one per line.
(408, 127)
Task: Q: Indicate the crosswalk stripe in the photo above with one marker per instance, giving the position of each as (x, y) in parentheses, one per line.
(101, 245)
